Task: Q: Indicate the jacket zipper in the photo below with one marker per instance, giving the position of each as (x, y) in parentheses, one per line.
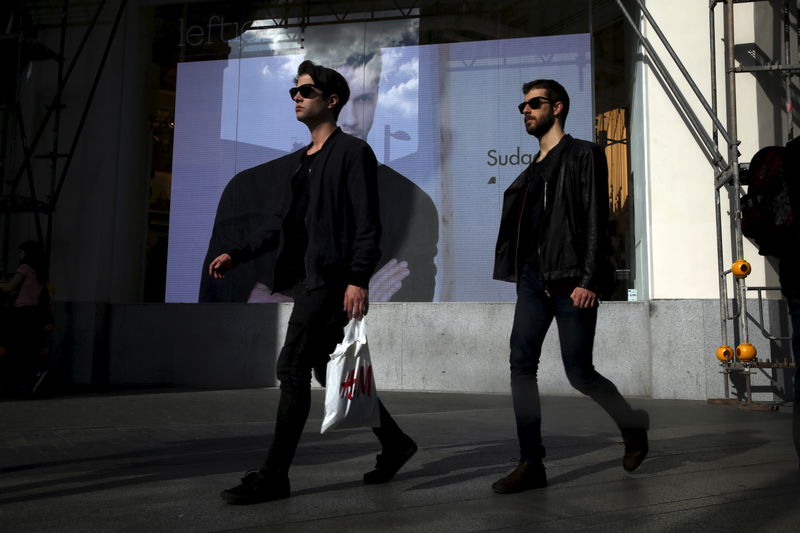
(539, 240)
(519, 229)
(541, 223)
(545, 196)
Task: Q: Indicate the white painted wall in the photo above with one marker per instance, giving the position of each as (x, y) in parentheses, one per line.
(679, 179)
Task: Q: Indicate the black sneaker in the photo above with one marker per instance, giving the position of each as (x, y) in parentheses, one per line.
(636, 446)
(526, 476)
(390, 462)
(255, 488)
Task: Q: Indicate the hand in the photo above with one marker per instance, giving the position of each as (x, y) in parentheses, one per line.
(356, 302)
(388, 280)
(220, 265)
(583, 298)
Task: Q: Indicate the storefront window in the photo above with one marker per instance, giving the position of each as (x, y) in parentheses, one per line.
(434, 91)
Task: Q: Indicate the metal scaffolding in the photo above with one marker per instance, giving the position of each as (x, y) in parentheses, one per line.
(727, 171)
(743, 358)
(22, 46)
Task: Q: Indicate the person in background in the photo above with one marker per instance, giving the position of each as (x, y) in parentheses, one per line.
(24, 327)
(770, 218)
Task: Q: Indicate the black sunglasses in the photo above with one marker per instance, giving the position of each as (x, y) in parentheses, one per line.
(306, 90)
(533, 103)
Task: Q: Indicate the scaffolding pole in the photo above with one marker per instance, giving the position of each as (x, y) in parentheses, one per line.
(59, 163)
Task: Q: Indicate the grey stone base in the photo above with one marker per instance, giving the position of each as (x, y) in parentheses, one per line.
(658, 349)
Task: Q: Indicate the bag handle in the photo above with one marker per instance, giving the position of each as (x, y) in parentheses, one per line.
(355, 331)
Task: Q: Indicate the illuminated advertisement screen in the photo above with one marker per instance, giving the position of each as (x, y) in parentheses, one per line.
(442, 121)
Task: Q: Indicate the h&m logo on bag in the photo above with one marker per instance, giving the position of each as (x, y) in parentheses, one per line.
(353, 386)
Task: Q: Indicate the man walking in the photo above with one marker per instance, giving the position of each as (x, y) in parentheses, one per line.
(326, 234)
(553, 244)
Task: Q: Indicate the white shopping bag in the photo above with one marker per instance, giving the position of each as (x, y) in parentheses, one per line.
(351, 399)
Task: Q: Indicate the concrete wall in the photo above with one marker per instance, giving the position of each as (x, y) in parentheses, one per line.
(657, 349)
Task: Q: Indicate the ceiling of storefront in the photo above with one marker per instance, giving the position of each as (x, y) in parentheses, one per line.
(453, 20)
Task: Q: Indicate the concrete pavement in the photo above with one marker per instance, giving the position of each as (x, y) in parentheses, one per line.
(156, 461)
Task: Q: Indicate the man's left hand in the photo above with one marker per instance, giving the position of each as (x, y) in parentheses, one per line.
(356, 302)
(583, 298)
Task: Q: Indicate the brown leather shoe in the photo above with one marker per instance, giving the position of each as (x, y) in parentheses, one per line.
(636, 448)
(526, 476)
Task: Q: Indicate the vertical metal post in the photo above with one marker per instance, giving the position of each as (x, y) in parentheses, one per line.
(787, 76)
(723, 284)
(721, 278)
(712, 39)
(11, 116)
(733, 160)
(57, 106)
(723, 287)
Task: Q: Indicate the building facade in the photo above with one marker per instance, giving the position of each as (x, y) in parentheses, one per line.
(184, 95)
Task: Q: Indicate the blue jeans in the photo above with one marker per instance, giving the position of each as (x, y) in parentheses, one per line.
(794, 313)
(533, 315)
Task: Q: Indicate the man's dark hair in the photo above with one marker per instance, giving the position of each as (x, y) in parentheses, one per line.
(554, 90)
(328, 80)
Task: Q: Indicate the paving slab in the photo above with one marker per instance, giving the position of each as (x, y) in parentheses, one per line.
(156, 461)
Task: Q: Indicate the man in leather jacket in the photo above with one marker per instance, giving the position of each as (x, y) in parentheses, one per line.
(553, 243)
(326, 230)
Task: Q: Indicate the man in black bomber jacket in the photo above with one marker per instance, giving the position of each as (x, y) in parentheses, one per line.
(326, 231)
(553, 243)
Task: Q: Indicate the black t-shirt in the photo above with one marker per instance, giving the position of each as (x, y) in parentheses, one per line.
(540, 177)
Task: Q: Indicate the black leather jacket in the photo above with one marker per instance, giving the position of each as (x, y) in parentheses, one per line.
(573, 240)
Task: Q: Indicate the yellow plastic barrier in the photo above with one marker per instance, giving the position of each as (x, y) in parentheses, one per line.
(741, 268)
(745, 352)
(724, 353)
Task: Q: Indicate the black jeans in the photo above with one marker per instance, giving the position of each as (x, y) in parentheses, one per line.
(315, 328)
(533, 315)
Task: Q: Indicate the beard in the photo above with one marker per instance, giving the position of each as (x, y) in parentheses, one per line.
(541, 127)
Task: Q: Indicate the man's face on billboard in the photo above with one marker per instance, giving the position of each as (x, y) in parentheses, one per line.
(357, 116)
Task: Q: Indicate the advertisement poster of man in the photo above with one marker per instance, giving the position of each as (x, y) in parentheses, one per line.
(444, 157)
(408, 215)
